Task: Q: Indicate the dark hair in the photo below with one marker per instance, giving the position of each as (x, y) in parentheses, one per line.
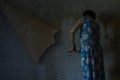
(89, 13)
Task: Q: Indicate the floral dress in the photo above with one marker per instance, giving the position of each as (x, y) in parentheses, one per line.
(91, 51)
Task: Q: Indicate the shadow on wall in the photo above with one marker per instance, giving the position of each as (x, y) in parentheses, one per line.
(113, 21)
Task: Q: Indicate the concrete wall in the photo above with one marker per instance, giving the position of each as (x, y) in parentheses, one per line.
(51, 11)
(15, 63)
(57, 63)
(36, 35)
(60, 64)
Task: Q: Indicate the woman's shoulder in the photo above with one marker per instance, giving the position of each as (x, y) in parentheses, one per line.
(80, 21)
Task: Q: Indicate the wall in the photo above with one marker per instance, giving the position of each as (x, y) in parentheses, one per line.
(56, 62)
(55, 11)
(36, 35)
(15, 63)
(60, 64)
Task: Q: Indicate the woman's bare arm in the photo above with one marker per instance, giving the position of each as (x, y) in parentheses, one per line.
(77, 25)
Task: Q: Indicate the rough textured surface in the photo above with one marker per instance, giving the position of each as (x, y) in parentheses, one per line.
(57, 63)
(57, 10)
(60, 64)
(15, 64)
(35, 34)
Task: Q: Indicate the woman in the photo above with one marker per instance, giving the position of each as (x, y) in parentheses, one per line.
(91, 51)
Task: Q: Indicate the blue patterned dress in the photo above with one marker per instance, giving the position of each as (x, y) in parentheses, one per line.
(91, 51)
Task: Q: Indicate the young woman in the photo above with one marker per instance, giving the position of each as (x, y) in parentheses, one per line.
(91, 51)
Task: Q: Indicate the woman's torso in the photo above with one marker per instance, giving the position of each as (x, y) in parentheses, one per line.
(90, 34)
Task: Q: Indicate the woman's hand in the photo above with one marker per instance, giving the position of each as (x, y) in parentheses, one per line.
(72, 49)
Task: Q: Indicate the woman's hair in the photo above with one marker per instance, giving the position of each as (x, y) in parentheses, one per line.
(89, 13)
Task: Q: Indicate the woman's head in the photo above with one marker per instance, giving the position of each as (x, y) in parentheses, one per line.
(89, 13)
